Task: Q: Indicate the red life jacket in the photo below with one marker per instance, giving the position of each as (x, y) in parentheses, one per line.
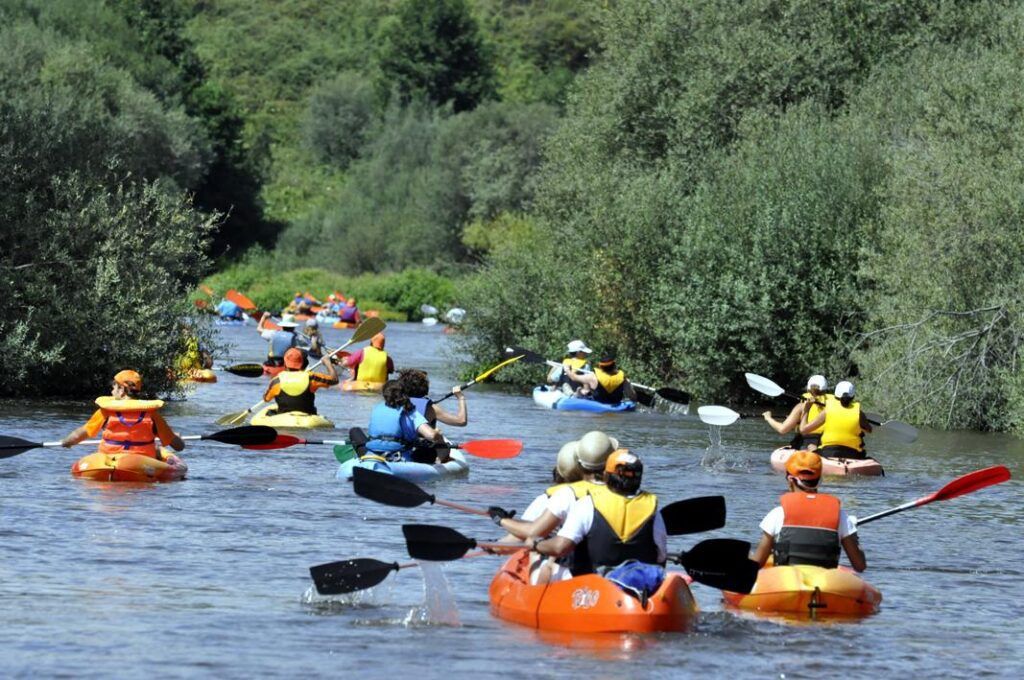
(129, 427)
(810, 530)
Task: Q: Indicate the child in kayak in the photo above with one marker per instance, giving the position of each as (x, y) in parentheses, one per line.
(295, 388)
(808, 527)
(396, 428)
(417, 386)
(129, 424)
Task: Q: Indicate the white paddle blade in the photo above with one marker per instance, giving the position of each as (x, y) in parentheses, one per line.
(901, 431)
(717, 415)
(428, 310)
(764, 385)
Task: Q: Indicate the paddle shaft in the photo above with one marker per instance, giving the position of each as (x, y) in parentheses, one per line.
(965, 484)
(463, 508)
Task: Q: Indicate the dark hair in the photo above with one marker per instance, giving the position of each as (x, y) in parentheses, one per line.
(395, 396)
(414, 382)
(627, 486)
(846, 399)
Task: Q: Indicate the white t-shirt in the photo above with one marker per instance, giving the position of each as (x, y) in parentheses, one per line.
(559, 503)
(772, 523)
(581, 518)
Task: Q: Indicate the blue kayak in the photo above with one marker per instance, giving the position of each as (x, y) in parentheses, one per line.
(558, 400)
(413, 472)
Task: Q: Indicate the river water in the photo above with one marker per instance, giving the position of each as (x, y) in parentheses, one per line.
(209, 576)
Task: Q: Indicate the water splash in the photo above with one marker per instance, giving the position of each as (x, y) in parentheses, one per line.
(439, 607)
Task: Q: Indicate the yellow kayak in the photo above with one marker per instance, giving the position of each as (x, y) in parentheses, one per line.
(807, 591)
(361, 386)
(295, 420)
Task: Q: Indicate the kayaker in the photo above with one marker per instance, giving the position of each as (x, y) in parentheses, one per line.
(812, 403)
(311, 331)
(808, 527)
(606, 385)
(229, 311)
(417, 387)
(294, 388)
(396, 428)
(371, 364)
(281, 339)
(842, 425)
(576, 359)
(350, 312)
(612, 523)
(129, 423)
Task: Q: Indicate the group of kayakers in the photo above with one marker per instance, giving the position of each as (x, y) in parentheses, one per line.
(605, 382)
(832, 424)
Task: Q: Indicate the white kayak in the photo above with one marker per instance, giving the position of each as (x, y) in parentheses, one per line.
(413, 472)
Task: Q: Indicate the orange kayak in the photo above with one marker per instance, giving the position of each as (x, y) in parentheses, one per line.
(130, 467)
(588, 604)
(361, 386)
(839, 467)
(806, 591)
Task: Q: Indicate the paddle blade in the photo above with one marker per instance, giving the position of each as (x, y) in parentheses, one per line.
(233, 418)
(428, 310)
(367, 330)
(674, 395)
(901, 431)
(280, 441)
(971, 482)
(388, 489)
(434, 543)
(344, 452)
(12, 446)
(347, 576)
(239, 299)
(722, 563)
(764, 385)
(717, 415)
(528, 356)
(694, 515)
(644, 395)
(248, 435)
(493, 448)
(489, 372)
(246, 370)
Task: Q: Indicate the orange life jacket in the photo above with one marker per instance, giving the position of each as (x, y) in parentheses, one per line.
(129, 426)
(810, 530)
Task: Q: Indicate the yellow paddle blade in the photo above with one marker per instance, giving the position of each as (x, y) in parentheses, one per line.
(367, 330)
(486, 374)
(233, 418)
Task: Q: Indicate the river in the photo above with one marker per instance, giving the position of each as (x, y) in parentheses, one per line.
(209, 577)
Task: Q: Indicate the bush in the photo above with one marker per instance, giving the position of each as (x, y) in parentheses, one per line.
(339, 117)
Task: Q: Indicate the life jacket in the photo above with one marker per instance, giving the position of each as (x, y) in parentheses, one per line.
(281, 342)
(609, 386)
(374, 366)
(810, 530)
(580, 489)
(422, 404)
(390, 430)
(129, 427)
(570, 364)
(623, 529)
(816, 408)
(295, 394)
(842, 426)
(348, 313)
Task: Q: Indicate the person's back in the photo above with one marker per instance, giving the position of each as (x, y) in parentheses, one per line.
(294, 389)
(611, 382)
(395, 426)
(842, 425)
(372, 364)
(228, 310)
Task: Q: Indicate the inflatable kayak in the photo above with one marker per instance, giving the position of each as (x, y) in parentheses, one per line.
(413, 472)
(293, 419)
(271, 371)
(808, 591)
(361, 386)
(340, 325)
(130, 467)
(588, 604)
(832, 466)
(202, 375)
(556, 399)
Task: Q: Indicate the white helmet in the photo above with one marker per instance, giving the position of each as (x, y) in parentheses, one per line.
(566, 465)
(594, 449)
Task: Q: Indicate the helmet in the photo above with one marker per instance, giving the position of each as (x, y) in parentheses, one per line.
(844, 388)
(805, 466)
(594, 449)
(566, 464)
(578, 346)
(129, 380)
(623, 472)
(817, 381)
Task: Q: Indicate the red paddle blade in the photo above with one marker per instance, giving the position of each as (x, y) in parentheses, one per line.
(493, 448)
(282, 441)
(239, 299)
(970, 482)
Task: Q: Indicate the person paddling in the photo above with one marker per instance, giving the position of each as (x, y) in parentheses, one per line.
(396, 428)
(808, 527)
(812, 403)
(129, 423)
(294, 388)
(311, 331)
(417, 387)
(281, 340)
(606, 385)
(229, 311)
(612, 523)
(842, 425)
(576, 359)
(349, 313)
(371, 364)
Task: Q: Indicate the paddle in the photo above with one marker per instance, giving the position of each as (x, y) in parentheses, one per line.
(481, 448)
(694, 515)
(347, 576)
(668, 393)
(248, 436)
(969, 483)
(770, 388)
(243, 370)
(483, 376)
(719, 415)
(395, 491)
(366, 330)
(428, 310)
(240, 300)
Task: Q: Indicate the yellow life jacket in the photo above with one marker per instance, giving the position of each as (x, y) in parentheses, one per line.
(580, 488)
(623, 529)
(574, 363)
(374, 366)
(816, 408)
(294, 383)
(624, 515)
(609, 386)
(295, 395)
(842, 426)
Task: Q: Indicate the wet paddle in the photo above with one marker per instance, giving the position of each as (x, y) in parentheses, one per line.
(366, 330)
(770, 388)
(969, 483)
(694, 515)
(395, 491)
(348, 576)
(248, 436)
(722, 563)
(483, 376)
(481, 448)
(243, 370)
(719, 415)
(441, 544)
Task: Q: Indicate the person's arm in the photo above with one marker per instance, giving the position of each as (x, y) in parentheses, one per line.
(763, 551)
(542, 526)
(575, 528)
(167, 436)
(390, 366)
(354, 359)
(556, 546)
(456, 420)
(91, 428)
(660, 538)
(864, 423)
(787, 425)
(814, 424)
(332, 372)
(628, 392)
(262, 325)
(273, 389)
(77, 435)
(851, 545)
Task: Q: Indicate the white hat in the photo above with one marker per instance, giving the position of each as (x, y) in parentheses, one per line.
(578, 346)
(843, 388)
(287, 324)
(817, 381)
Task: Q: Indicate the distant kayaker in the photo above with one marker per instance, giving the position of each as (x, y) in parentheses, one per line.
(129, 423)
(311, 331)
(229, 311)
(294, 388)
(417, 387)
(576, 359)
(396, 428)
(612, 523)
(808, 527)
(812, 403)
(350, 312)
(371, 364)
(281, 339)
(842, 425)
(606, 385)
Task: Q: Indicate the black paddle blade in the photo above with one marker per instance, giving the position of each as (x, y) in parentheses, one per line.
(722, 563)
(437, 544)
(672, 394)
(388, 489)
(247, 435)
(347, 576)
(694, 515)
(246, 370)
(12, 446)
(528, 356)
(644, 397)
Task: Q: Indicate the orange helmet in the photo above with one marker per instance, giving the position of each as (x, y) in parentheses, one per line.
(804, 465)
(293, 359)
(623, 463)
(129, 379)
(378, 341)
